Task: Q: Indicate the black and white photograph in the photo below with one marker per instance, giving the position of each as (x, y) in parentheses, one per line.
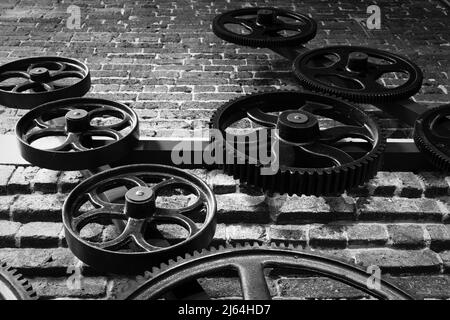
(238, 158)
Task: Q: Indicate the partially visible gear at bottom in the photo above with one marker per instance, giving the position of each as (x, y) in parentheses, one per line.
(432, 136)
(171, 280)
(13, 286)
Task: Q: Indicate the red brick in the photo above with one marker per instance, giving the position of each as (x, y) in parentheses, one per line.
(5, 174)
(435, 184)
(39, 235)
(20, 181)
(400, 261)
(69, 180)
(8, 232)
(423, 287)
(384, 184)
(221, 183)
(38, 262)
(367, 235)
(445, 256)
(406, 235)
(288, 233)
(241, 208)
(45, 181)
(43, 208)
(5, 204)
(333, 236)
(411, 185)
(242, 233)
(50, 288)
(395, 209)
(439, 236)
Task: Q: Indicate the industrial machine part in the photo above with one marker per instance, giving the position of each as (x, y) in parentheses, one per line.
(355, 73)
(144, 214)
(77, 133)
(13, 286)
(264, 27)
(432, 136)
(251, 262)
(30, 82)
(312, 135)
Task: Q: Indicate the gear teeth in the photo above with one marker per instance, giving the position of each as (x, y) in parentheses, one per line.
(18, 284)
(327, 181)
(402, 92)
(438, 156)
(308, 33)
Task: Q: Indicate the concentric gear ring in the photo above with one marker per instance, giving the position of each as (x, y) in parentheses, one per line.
(432, 136)
(263, 27)
(353, 72)
(13, 286)
(250, 261)
(311, 161)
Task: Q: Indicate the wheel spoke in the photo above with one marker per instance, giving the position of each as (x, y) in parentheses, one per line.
(253, 282)
(66, 74)
(258, 116)
(340, 132)
(315, 108)
(181, 219)
(338, 156)
(45, 132)
(103, 213)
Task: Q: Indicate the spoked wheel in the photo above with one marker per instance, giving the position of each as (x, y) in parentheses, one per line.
(250, 262)
(30, 82)
(264, 27)
(77, 133)
(357, 73)
(143, 229)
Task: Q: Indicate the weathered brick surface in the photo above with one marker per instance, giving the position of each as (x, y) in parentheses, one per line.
(39, 234)
(5, 174)
(28, 208)
(400, 261)
(163, 59)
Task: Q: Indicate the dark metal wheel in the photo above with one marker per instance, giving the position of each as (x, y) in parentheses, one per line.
(70, 134)
(250, 262)
(30, 82)
(143, 230)
(264, 27)
(13, 286)
(355, 73)
(432, 136)
(314, 136)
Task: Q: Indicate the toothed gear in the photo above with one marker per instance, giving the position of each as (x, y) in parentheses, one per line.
(13, 286)
(312, 161)
(249, 261)
(432, 136)
(264, 27)
(354, 73)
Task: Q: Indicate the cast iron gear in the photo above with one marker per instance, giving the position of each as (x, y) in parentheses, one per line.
(250, 261)
(77, 133)
(432, 136)
(135, 215)
(13, 286)
(264, 27)
(27, 83)
(354, 73)
(311, 160)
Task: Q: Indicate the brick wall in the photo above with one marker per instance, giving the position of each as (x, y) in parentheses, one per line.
(162, 59)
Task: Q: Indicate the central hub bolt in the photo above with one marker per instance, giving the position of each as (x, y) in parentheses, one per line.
(39, 75)
(265, 17)
(77, 120)
(357, 61)
(297, 118)
(140, 202)
(298, 126)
